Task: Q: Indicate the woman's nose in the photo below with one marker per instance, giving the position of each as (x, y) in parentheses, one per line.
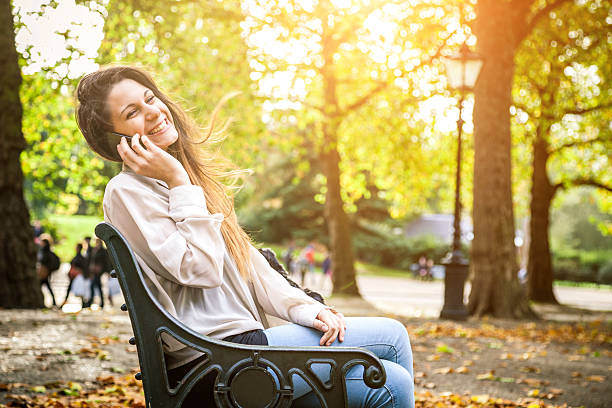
(152, 111)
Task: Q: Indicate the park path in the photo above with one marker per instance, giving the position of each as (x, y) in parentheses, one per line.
(408, 297)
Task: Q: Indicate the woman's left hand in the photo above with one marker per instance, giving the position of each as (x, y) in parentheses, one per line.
(332, 324)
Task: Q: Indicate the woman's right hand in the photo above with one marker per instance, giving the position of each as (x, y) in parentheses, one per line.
(151, 161)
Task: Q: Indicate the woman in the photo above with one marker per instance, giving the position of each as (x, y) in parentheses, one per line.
(170, 205)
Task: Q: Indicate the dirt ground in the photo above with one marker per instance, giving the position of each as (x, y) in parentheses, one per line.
(545, 363)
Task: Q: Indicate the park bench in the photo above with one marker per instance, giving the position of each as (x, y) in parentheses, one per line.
(247, 376)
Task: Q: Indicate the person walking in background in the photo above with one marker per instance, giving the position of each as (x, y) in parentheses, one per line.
(88, 249)
(327, 273)
(37, 230)
(288, 258)
(98, 264)
(78, 264)
(421, 270)
(47, 263)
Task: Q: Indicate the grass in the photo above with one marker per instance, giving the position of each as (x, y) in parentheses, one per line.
(582, 284)
(72, 229)
(363, 268)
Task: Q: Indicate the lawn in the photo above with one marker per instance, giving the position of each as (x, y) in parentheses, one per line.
(70, 230)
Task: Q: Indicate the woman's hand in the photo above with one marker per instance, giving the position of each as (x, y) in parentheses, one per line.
(151, 161)
(332, 324)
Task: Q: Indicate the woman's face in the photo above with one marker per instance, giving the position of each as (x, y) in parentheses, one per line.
(135, 109)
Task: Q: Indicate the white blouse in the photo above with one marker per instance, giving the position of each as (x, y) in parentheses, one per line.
(187, 266)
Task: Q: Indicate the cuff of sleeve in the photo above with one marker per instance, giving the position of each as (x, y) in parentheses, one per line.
(306, 314)
(187, 200)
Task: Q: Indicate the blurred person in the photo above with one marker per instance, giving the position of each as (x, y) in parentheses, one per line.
(77, 267)
(47, 263)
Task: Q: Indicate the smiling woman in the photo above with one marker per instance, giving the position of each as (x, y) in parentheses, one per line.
(179, 219)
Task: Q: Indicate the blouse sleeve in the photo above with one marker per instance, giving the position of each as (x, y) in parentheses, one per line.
(278, 298)
(178, 238)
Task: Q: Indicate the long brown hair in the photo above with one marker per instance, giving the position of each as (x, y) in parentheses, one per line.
(204, 168)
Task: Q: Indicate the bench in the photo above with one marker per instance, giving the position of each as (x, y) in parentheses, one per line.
(247, 376)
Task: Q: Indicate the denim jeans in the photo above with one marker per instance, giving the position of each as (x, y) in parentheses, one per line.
(386, 338)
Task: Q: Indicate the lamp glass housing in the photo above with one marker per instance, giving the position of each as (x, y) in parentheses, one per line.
(462, 70)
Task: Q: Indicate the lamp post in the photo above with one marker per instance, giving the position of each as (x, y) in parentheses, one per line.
(462, 72)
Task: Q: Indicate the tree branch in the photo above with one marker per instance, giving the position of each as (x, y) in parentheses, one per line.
(364, 99)
(543, 12)
(576, 111)
(583, 182)
(579, 143)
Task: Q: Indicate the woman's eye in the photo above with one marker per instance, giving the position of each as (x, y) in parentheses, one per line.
(131, 114)
(150, 99)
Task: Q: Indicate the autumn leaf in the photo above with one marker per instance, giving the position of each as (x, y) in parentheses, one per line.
(533, 393)
(486, 376)
(443, 348)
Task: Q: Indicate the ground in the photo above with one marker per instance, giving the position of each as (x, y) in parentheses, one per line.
(53, 356)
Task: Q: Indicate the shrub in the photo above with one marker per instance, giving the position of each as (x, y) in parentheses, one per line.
(397, 251)
(605, 273)
(580, 266)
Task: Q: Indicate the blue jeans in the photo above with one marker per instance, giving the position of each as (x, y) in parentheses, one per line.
(386, 338)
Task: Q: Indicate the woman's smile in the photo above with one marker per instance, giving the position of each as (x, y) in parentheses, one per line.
(162, 127)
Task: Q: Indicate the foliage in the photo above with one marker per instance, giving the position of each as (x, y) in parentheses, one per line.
(197, 53)
(60, 170)
(61, 173)
(575, 221)
(71, 229)
(605, 273)
(564, 101)
(580, 265)
(377, 78)
(397, 251)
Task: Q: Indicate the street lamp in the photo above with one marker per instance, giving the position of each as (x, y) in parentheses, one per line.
(462, 72)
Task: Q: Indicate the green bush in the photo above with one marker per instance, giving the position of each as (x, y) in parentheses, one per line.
(397, 251)
(605, 273)
(580, 266)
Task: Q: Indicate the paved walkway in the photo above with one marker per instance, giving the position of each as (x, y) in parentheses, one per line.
(413, 298)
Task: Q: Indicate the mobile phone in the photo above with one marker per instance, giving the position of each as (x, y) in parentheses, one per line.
(129, 138)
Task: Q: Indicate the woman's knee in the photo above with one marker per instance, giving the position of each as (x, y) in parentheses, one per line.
(399, 384)
(398, 336)
(397, 392)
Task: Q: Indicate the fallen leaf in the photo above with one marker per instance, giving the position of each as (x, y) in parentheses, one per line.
(533, 393)
(596, 378)
(444, 370)
(486, 376)
(481, 399)
(443, 348)
(557, 391)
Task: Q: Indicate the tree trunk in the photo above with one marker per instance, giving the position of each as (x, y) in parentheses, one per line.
(539, 266)
(19, 285)
(341, 246)
(344, 279)
(495, 287)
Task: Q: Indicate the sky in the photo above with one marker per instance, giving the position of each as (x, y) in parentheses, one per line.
(40, 32)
